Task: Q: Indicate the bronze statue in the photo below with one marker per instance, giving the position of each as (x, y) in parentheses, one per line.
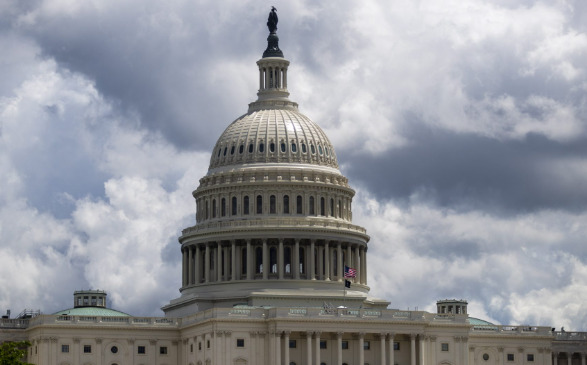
(272, 21)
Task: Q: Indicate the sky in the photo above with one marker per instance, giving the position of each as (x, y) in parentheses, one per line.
(462, 126)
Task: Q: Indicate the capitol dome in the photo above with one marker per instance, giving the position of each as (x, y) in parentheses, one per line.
(274, 213)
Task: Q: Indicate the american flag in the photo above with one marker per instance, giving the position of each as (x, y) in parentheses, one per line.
(349, 272)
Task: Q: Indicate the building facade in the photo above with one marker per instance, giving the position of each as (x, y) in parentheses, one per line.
(266, 272)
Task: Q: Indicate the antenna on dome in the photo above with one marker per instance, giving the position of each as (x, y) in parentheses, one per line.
(272, 41)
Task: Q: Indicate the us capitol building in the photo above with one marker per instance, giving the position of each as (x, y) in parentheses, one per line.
(275, 272)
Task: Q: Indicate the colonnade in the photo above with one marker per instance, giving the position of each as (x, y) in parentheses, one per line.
(566, 358)
(254, 259)
(273, 77)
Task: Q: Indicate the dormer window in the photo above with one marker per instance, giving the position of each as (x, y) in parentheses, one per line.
(232, 150)
(241, 149)
(261, 147)
(251, 147)
(320, 149)
(313, 149)
(272, 147)
(304, 149)
(282, 147)
(294, 148)
(219, 152)
(225, 149)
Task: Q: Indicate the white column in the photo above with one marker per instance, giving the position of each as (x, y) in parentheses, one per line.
(382, 338)
(308, 348)
(207, 263)
(340, 264)
(265, 260)
(190, 265)
(391, 350)
(317, 350)
(219, 261)
(286, 347)
(277, 348)
(413, 349)
(422, 340)
(349, 255)
(357, 265)
(184, 279)
(326, 261)
(312, 260)
(234, 271)
(338, 348)
(296, 266)
(280, 262)
(361, 348)
(569, 358)
(197, 267)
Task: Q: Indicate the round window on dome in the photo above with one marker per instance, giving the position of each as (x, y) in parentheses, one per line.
(282, 147)
(261, 147)
(272, 147)
(241, 149)
(485, 357)
(294, 148)
(304, 149)
(114, 349)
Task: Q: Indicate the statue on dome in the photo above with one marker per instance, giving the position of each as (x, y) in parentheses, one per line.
(272, 21)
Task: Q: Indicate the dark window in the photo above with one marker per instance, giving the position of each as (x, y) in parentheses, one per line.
(444, 346)
(207, 210)
(114, 349)
(223, 207)
(191, 347)
(259, 260)
(345, 345)
(396, 346)
(241, 149)
(312, 210)
(299, 204)
(141, 350)
(320, 149)
(272, 147)
(261, 147)
(510, 357)
(530, 357)
(304, 149)
(232, 150)
(322, 208)
(214, 208)
(326, 149)
(246, 205)
(282, 147)
(64, 348)
(259, 204)
(293, 344)
(240, 342)
(294, 148)
(332, 207)
(272, 209)
(219, 151)
(199, 346)
(251, 148)
(234, 205)
(208, 344)
(286, 204)
(87, 349)
(323, 344)
(273, 260)
(313, 149)
(225, 149)
(366, 345)
(163, 350)
(486, 356)
(339, 209)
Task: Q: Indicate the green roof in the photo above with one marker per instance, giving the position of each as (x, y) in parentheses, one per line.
(91, 311)
(479, 322)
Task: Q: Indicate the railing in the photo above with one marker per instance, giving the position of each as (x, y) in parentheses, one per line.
(274, 222)
(570, 336)
(523, 329)
(14, 323)
(100, 321)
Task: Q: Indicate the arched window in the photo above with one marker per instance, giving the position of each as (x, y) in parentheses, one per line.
(312, 209)
(287, 260)
(223, 207)
(244, 254)
(251, 148)
(225, 149)
(241, 149)
(219, 151)
(302, 260)
(246, 205)
(272, 209)
(259, 204)
(304, 149)
(272, 147)
(259, 260)
(232, 150)
(214, 208)
(322, 207)
(273, 260)
(207, 210)
(313, 149)
(331, 207)
(282, 147)
(261, 147)
(320, 149)
(286, 204)
(299, 205)
(294, 148)
(234, 205)
(339, 209)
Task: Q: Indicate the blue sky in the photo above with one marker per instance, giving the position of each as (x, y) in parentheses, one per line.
(461, 125)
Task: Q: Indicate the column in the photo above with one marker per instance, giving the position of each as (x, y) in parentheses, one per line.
(317, 350)
(413, 349)
(219, 261)
(338, 348)
(357, 265)
(466, 351)
(286, 347)
(261, 79)
(349, 261)
(362, 348)
(339, 261)
(501, 355)
(311, 262)
(265, 260)
(422, 340)
(190, 265)
(253, 351)
(226, 264)
(309, 348)
(99, 350)
(363, 266)
(197, 266)
(569, 358)
(382, 338)
(280, 262)
(433, 347)
(207, 263)
(326, 260)
(582, 358)
(184, 278)
(277, 348)
(249, 261)
(296, 266)
(391, 349)
(285, 87)
(234, 271)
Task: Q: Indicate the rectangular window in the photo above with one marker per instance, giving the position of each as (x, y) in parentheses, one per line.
(208, 344)
(87, 349)
(510, 357)
(199, 346)
(345, 345)
(141, 350)
(240, 342)
(396, 346)
(163, 350)
(366, 345)
(530, 357)
(323, 344)
(444, 346)
(64, 348)
(191, 347)
(293, 344)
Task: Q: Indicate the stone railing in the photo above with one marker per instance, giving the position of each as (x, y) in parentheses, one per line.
(12, 323)
(103, 321)
(524, 329)
(271, 222)
(570, 336)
